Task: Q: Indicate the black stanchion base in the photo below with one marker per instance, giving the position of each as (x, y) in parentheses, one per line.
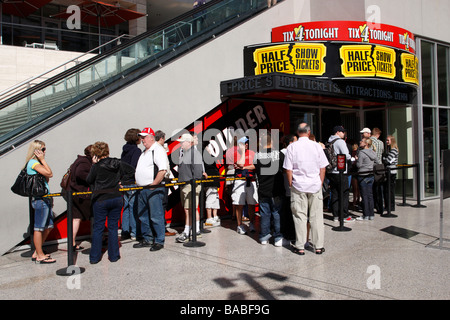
(390, 215)
(194, 244)
(341, 228)
(70, 271)
(419, 206)
(27, 254)
(403, 205)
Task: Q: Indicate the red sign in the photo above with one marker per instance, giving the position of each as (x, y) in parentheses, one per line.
(341, 162)
(348, 31)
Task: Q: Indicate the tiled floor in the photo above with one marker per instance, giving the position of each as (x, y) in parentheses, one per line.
(388, 258)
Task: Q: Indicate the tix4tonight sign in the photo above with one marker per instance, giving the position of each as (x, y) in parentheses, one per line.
(347, 31)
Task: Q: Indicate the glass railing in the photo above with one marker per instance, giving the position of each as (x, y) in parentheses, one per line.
(151, 50)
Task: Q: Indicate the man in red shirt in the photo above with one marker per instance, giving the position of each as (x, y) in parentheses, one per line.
(244, 191)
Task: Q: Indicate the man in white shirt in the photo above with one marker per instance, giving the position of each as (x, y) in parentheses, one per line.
(150, 170)
(305, 164)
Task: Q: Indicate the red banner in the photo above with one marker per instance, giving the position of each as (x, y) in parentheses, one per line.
(348, 31)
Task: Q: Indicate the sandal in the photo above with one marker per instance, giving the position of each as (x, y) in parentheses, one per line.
(300, 252)
(47, 260)
(78, 248)
(34, 258)
(320, 251)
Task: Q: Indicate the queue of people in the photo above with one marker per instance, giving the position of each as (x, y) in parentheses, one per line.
(287, 185)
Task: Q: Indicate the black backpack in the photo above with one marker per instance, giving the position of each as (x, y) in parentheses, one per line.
(331, 155)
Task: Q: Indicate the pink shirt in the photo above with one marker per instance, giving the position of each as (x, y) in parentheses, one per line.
(305, 158)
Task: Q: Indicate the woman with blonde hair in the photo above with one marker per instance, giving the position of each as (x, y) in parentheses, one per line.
(391, 161)
(43, 215)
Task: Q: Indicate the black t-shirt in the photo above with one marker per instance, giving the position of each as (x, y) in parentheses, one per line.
(269, 166)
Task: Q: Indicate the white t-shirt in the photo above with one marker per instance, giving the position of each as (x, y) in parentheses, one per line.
(145, 173)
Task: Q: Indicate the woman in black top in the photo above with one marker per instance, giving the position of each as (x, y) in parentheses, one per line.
(106, 174)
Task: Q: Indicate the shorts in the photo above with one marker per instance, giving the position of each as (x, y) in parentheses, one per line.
(212, 198)
(43, 214)
(243, 194)
(185, 195)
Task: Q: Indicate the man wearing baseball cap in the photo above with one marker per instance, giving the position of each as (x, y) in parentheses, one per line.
(150, 170)
(366, 133)
(190, 167)
(340, 147)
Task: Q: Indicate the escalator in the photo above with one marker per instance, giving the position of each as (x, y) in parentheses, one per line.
(41, 107)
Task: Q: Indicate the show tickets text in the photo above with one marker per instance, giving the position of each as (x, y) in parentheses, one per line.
(299, 59)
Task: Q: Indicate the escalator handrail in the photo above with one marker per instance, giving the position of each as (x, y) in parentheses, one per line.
(101, 56)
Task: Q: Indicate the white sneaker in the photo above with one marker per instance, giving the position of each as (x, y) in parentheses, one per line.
(209, 222)
(279, 243)
(264, 242)
(241, 230)
(349, 219)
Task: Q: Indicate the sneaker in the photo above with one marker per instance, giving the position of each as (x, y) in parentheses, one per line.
(182, 238)
(142, 244)
(264, 242)
(335, 219)
(371, 217)
(349, 219)
(209, 222)
(363, 218)
(199, 234)
(241, 230)
(279, 243)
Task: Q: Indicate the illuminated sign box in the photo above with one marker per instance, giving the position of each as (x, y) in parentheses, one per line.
(336, 50)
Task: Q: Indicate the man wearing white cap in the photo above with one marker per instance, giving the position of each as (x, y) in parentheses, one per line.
(366, 133)
(190, 167)
(150, 170)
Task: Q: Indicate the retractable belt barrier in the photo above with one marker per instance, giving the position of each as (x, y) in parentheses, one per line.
(388, 170)
(71, 269)
(194, 243)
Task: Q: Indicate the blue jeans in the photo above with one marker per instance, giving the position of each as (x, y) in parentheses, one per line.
(365, 188)
(269, 209)
(129, 215)
(43, 214)
(109, 208)
(152, 215)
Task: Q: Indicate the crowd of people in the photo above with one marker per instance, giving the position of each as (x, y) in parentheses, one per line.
(288, 188)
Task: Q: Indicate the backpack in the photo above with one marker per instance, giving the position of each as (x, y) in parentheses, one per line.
(331, 155)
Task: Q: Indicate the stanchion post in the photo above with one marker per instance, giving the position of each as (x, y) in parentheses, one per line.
(418, 205)
(403, 204)
(28, 254)
(194, 242)
(69, 270)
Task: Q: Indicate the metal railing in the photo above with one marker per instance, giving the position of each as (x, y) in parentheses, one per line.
(45, 104)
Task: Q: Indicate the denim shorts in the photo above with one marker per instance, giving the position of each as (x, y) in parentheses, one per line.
(43, 214)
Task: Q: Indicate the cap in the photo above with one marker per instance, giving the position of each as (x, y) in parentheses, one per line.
(146, 132)
(338, 128)
(365, 130)
(186, 137)
(243, 140)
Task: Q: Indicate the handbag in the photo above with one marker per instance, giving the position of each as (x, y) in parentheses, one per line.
(65, 181)
(30, 185)
(379, 173)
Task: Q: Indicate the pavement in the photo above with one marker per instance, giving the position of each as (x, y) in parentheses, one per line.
(389, 258)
